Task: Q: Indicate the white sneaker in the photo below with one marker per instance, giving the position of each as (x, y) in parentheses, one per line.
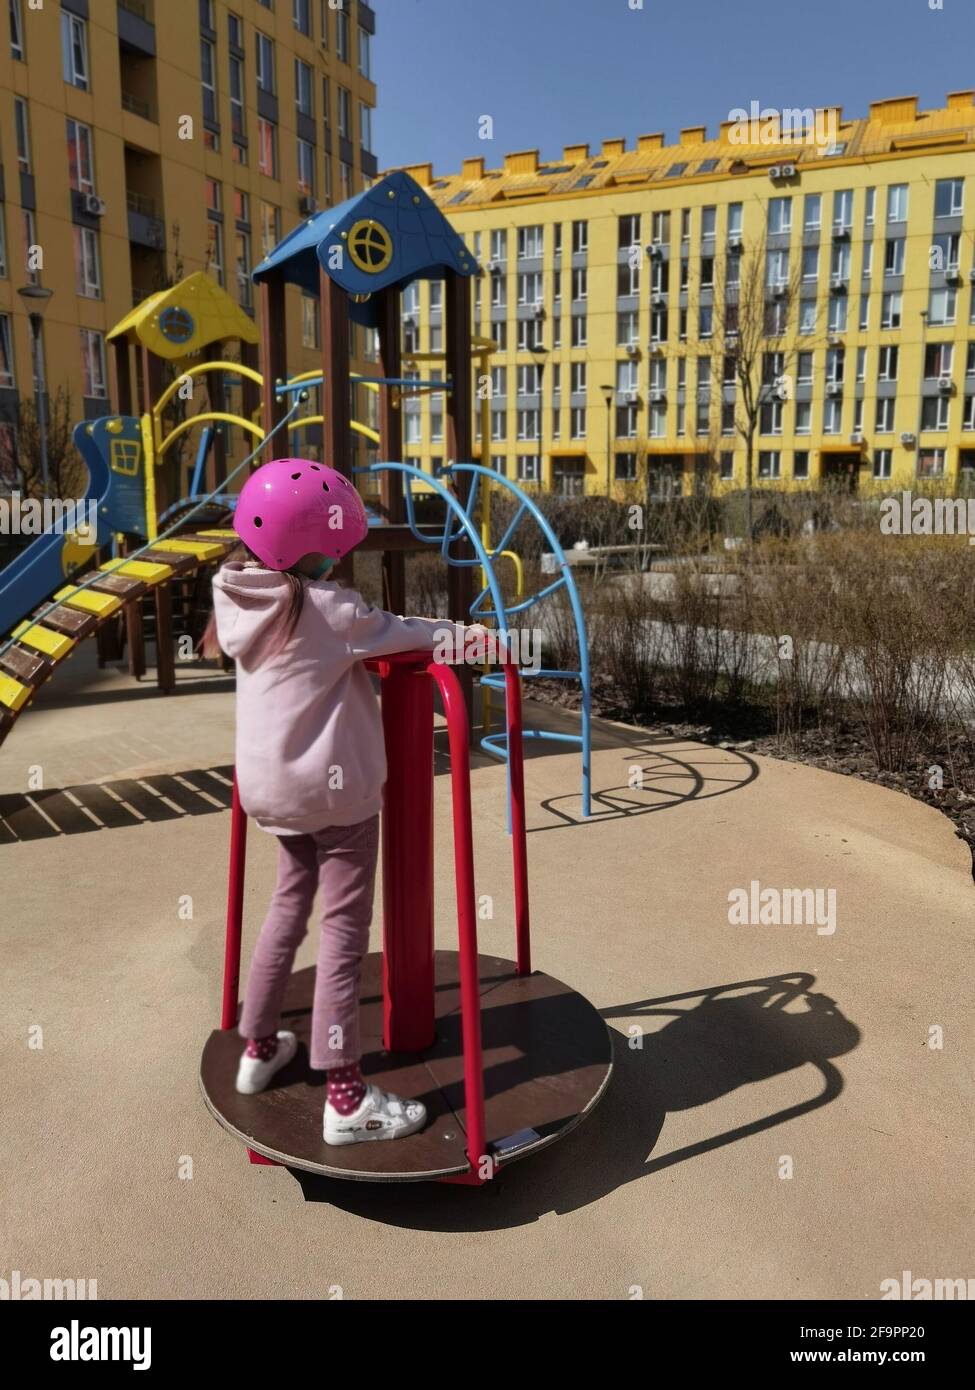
(253, 1075)
(380, 1115)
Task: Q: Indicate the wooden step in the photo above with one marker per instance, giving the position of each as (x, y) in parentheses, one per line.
(54, 645)
(30, 668)
(12, 694)
(203, 550)
(125, 586)
(91, 602)
(178, 562)
(69, 620)
(139, 569)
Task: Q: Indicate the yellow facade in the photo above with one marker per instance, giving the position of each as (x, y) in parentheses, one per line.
(818, 432)
(176, 182)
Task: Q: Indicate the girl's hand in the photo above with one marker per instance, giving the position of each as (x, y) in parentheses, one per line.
(477, 642)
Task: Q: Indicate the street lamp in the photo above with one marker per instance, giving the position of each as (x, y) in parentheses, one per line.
(35, 297)
(608, 393)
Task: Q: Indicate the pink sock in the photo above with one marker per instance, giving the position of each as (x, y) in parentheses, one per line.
(263, 1048)
(345, 1088)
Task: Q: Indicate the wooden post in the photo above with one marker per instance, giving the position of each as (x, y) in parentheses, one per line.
(123, 376)
(274, 353)
(334, 308)
(165, 656)
(391, 446)
(250, 396)
(459, 409)
(152, 389)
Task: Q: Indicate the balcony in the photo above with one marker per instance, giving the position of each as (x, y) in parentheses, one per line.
(145, 228)
(136, 30)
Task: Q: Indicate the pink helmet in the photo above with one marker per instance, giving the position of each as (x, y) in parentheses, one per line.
(292, 507)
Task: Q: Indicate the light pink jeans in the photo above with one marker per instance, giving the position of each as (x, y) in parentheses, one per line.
(341, 861)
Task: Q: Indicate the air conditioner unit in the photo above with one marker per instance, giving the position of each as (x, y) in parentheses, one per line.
(856, 437)
(908, 439)
(834, 340)
(775, 172)
(658, 397)
(93, 205)
(780, 291)
(409, 320)
(734, 243)
(834, 388)
(841, 234)
(657, 350)
(655, 252)
(493, 266)
(630, 397)
(788, 171)
(952, 277)
(838, 285)
(307, 205)
(632, 350)
(946, 386)
(538, 310)
(658, 301)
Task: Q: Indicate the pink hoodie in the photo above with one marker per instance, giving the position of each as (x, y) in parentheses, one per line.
(310, 750)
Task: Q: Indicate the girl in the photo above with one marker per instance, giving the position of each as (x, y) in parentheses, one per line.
(311, 765)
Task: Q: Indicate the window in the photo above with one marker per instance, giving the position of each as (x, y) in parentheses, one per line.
(529, 468)
(242, 251)
(529, 243)
(577, 422)
(726, 465)
(803, 417)
(236, 85)
(810, 262)
(897, 202)
(303, 88)
(807, 316)
(624, 467)
(345, 179)
(771, 418)
(866, 270)
(577, 377)
(628, 231)
(839, 262)
(3, 247)
(6, 352)
(530, 288)
(345, 113)
(267, 147)
(93, 363)
(365, 126)
(769, 463)
(270, 227)
(265, 63)
(882, 462)
(579, 336)
(74, 50)
(365, 53)
(800, 464)
(580, 282)
(890, 310)
(861, 364)
(894, 256)
(832, 415)
(777, 268)
(946, 247)
(804, 368)
(934, 413)
(528, 423)
(888, 362)
(580, 238)
(931, 463)
(705, 321)
(942, 305)
(661, 226)
(779, 215)
(842, 209)
(81, 169)
(627, 328)
(306, 167)
(215, 251)
(675, 171)
(301, 14)
(22, 131)
(708, 222)
(734, 219)
(341, 35)
(208, 76)
(949, 197)
(870, 209)
(938, 360)
(836, 318)
(885, 414)
(88, 280)
(627, 279)
(16, 31)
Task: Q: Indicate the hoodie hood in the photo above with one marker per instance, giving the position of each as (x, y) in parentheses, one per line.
(251, 606)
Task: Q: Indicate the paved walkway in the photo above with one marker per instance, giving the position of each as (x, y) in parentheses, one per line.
(777, 1125)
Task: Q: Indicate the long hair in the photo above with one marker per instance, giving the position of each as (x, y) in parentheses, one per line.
(210, 643)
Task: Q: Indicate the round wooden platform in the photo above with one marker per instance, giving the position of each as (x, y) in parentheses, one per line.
(547, 1061)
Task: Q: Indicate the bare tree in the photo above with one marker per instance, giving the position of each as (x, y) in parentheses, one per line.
(756, 305)
(20, 449)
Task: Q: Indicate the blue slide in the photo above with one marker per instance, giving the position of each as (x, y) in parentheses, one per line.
(112, 450)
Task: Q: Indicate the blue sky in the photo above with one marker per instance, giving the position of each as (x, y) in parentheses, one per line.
(555, 72)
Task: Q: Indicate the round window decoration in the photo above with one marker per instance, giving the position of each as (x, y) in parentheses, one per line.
(370, 246)
(176, 324)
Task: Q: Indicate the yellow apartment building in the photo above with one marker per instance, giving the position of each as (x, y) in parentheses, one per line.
(611, 279)
(146, 139)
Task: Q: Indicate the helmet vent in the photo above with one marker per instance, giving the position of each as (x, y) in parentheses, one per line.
(258, 521)
(324, 486)
(316, 467)
(295, 477)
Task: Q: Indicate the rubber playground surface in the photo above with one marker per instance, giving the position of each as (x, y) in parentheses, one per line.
(790, 1111)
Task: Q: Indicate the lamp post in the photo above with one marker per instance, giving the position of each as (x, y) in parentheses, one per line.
(608, 394)
(35, 297)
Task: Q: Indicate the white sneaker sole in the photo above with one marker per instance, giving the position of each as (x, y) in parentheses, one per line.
(251, 1081)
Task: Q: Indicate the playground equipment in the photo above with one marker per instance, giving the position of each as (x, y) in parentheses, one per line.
(434, 1023)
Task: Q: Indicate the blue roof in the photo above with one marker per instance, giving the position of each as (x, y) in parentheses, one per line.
(391, 234)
